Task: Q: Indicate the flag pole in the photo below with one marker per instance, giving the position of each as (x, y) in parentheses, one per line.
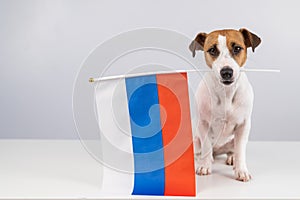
(92, 80)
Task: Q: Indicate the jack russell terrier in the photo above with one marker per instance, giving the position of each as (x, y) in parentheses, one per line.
(224, 99)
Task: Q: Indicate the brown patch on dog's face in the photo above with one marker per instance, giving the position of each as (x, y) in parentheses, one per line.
(211, 50)
(237, 43)
(236, 46)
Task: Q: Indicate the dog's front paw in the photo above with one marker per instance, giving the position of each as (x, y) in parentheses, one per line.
(242, 175)
(203, 168)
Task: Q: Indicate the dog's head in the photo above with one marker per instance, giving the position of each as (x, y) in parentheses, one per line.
(225, 51)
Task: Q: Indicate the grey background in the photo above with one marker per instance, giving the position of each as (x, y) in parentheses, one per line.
(43, 43)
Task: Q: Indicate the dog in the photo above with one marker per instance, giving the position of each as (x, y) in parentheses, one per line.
(225, 100)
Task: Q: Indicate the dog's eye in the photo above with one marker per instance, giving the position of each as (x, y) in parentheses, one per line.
(236, 50)
(213, 51)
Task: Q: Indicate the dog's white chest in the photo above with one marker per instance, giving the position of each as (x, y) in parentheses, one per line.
(225, 117)
(224, 108)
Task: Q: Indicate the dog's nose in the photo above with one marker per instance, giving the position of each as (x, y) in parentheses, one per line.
(226, 73)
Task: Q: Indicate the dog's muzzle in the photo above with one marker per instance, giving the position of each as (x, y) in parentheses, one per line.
(226, 75)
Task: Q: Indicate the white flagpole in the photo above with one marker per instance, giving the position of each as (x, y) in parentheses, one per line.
(260, 70)
(170, 72)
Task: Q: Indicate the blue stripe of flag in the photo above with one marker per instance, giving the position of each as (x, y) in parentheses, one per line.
(142, 94)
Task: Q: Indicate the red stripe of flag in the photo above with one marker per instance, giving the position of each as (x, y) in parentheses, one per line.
(177, 134)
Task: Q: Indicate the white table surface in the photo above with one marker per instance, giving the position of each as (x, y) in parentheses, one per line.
(62, 169)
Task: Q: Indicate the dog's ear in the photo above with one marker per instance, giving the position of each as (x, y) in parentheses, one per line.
(198, 43)
(250, 39)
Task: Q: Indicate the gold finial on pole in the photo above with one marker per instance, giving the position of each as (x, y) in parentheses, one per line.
(91, 80)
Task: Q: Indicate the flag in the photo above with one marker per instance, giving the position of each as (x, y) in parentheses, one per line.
(146, 135)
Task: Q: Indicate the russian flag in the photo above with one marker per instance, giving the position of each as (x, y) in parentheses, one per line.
(146, 123)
